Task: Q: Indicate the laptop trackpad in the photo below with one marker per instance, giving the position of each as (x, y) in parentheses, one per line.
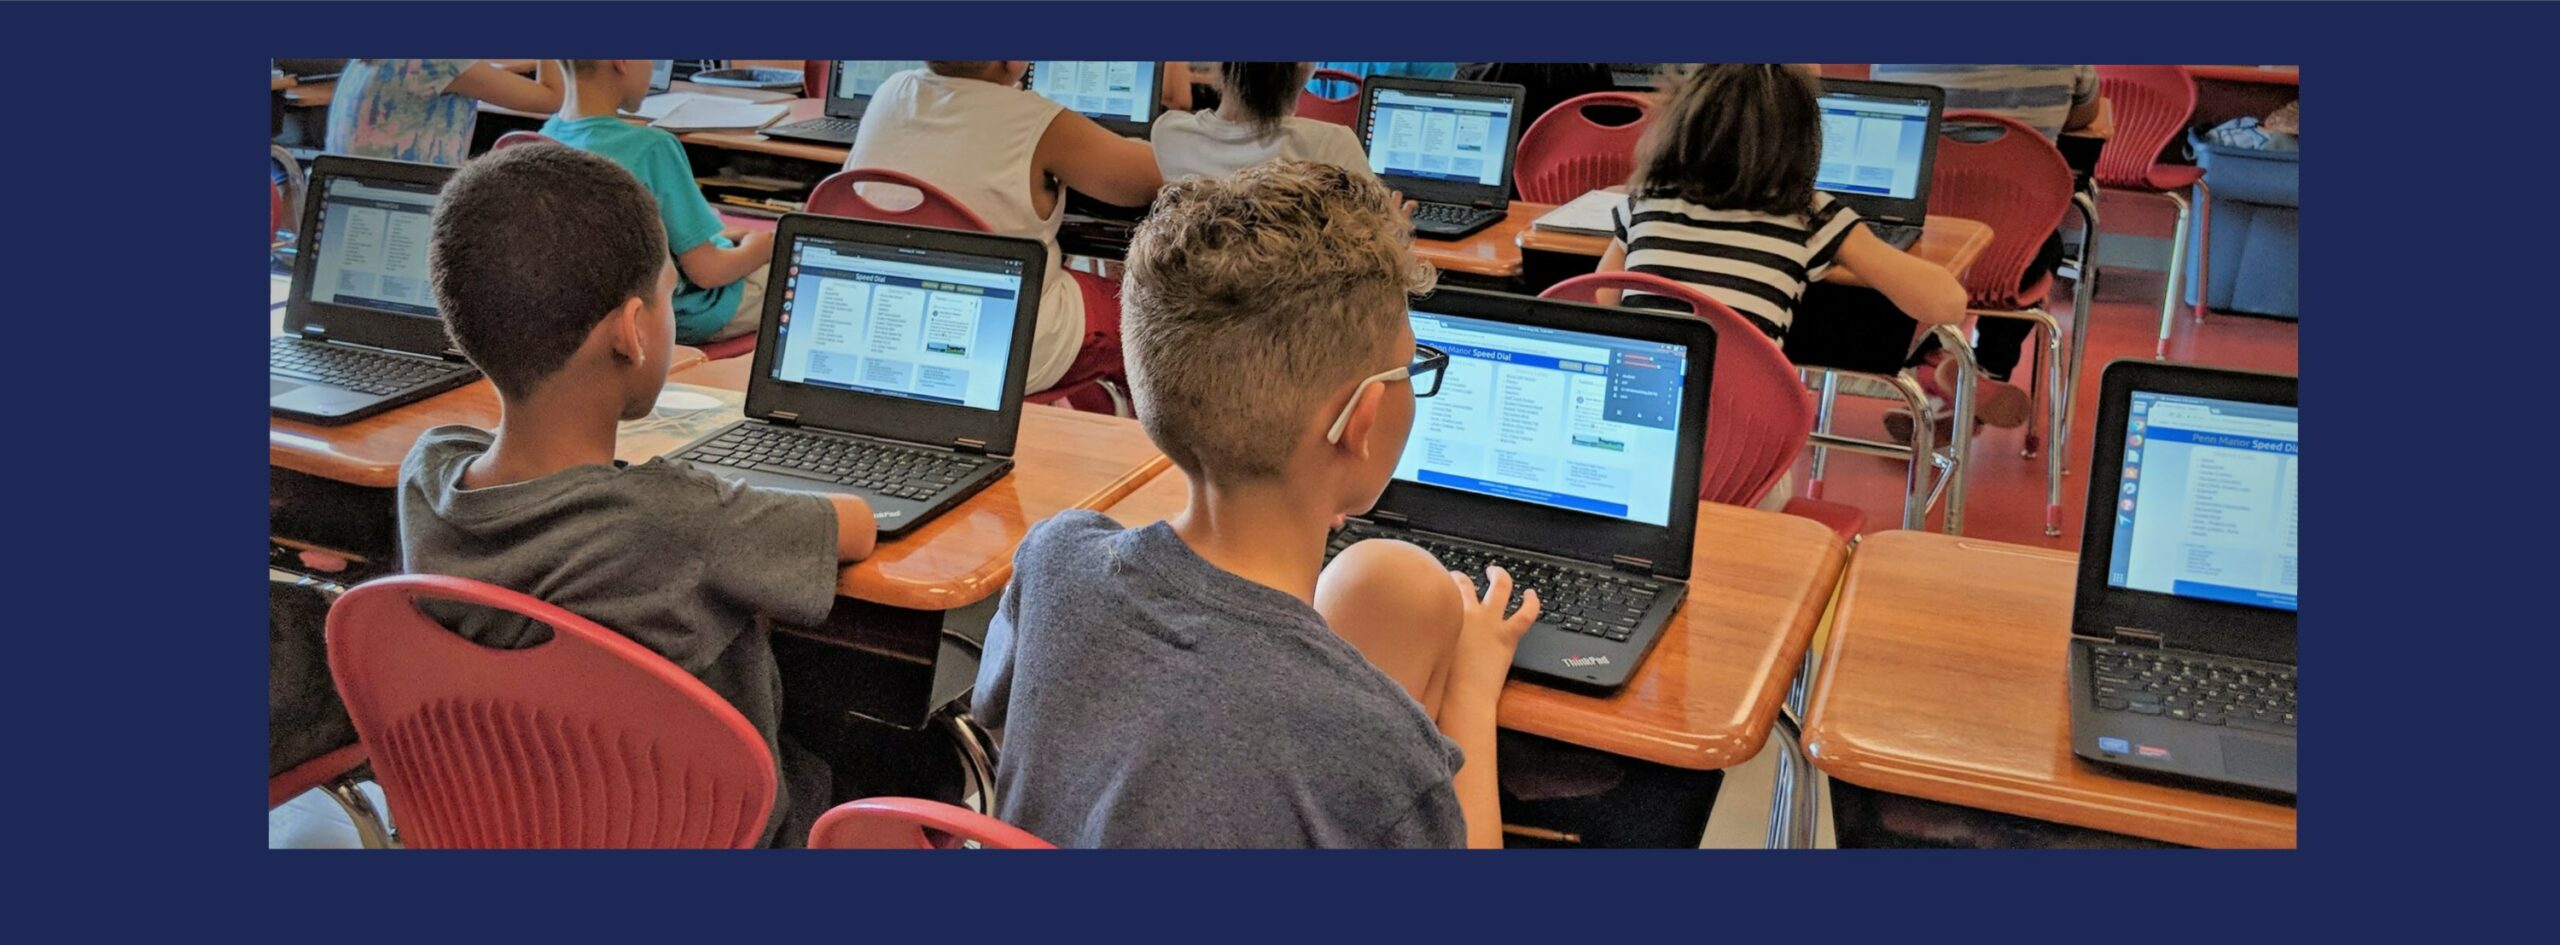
(277, 386)
(2257, 760)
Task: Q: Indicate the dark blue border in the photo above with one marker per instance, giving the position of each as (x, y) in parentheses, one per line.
(137, 667)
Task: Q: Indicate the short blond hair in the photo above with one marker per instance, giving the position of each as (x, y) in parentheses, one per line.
(1251, 297)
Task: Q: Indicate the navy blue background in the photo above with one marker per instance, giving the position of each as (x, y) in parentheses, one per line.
(134, 156)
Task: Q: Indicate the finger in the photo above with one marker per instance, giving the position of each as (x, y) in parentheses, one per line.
(1497, 587)
(1466, 586)
(1527, 614)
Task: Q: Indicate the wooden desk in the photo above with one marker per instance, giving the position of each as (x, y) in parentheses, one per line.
(1951, 242)
(1493, 252)
(802, 109)
(1707, 695)
(1944, 680)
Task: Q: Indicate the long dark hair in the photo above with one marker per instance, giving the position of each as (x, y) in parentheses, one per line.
(1734, 137)
(1266, 91)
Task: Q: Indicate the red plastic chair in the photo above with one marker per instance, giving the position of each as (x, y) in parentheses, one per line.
(334, 774)
(586, 740)
(513, 138)
(1760, 412)
(2018, 183)
(906, 823)
(2152, 106)
(813, 77)
(275, 211)
(1344, 111)
(1565, 154)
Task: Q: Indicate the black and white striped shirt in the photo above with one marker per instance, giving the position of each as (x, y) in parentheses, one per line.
(1755, 263)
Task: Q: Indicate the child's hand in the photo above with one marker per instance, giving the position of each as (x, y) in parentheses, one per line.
(756, 241)
(1486, 637)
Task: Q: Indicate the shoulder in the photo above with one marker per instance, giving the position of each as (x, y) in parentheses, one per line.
(440, 447)
(1068, 534)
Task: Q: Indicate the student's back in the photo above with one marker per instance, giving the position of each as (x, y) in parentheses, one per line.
(1255, 121)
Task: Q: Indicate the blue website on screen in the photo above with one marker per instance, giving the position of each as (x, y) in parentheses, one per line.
(1872, 145)
(907, 323)
(1440, 137)
(2207, 505)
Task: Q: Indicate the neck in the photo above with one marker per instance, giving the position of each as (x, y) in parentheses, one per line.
(557, 429)
(1230, 111)
(1261, 532)
(591, 96)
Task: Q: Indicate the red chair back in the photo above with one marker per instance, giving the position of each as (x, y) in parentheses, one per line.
(813, 77)
(2016, 182)
(585, 740)
(513, 138)
(1760, 412)
(275, 210)
(838, 196)
(2152, 104)
(1344, 111)
(1565, 154)
(906, 823)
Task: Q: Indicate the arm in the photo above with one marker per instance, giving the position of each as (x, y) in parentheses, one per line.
(1920, 288)
(1177, 86)
(856, 532)
(540, 94)
(1104, 166)
(711, 265)
(2084, 99)
(1486, 642)
(1615, 260)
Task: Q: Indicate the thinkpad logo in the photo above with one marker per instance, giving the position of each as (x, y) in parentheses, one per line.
(892, 513)
(1578, 662)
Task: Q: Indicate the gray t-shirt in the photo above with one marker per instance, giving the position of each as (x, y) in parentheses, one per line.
(1147, 698)
(677, 559)
(1201, 143)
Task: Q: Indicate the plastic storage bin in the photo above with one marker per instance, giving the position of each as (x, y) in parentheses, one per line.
(2256, 224)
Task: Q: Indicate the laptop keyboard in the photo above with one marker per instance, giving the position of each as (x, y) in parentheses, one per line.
(880, 468)
(2198, 689)
(354, 369)
(1896, 235)
(830, 128)
(1450, 217)
(1588, 600)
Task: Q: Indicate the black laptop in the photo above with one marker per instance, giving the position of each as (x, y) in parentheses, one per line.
(2182, 657)
(1563, 442)
(1125, 97)
(849, 87)
(361, 331)
(889, 366)
(1879, 148)
(1447, 145)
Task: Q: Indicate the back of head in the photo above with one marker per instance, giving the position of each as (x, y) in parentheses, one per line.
(1267, 92)
(530, 248)
(959, 69)
(1251, 297)
(1734, 136)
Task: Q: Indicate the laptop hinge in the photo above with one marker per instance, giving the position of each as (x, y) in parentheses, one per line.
(314, 332)
(1384, 517)
(2127, 636)
(970, 445)
(1643, 566)
(783, 417)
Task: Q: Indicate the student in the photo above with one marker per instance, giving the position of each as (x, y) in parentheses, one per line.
(424, 109)
(1008, 154)
(1550, 84)
(1723, 199)
(1256, 121)
(1208, 682)
(551, 272)
(720, 294)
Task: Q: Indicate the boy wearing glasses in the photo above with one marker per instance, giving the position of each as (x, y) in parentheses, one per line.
(1210, 681)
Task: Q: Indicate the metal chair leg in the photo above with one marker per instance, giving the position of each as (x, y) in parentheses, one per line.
(1960, 447)
(1822, 425)
(2177, 272)
(2083, 296)
(2204, 247)
(1924, 435)
(977, 754)
(371, 829)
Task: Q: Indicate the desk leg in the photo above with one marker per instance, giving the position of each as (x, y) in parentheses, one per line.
(2084, 283)
(1794, 808)
(1822, 427)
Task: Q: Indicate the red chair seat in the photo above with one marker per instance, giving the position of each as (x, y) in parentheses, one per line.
(730, 348)
(2173, 176)
(1845, 521)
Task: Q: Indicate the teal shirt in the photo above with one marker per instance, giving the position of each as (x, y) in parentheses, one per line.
(657, 159)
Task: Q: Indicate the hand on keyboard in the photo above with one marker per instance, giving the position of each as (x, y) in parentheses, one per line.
(1488, 638)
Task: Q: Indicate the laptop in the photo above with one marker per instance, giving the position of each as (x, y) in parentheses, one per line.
(849, 87)
(1634, 76)
(1445, 144)
(1879, 147)
(662, 75)
(2182, 656)
(362, 331)
(889, 366)
(1125, 97)
(1564, 443)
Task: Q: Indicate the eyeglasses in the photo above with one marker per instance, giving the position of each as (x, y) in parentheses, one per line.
(1424, 372)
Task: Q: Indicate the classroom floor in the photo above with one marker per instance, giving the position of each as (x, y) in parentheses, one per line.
(2006, 501)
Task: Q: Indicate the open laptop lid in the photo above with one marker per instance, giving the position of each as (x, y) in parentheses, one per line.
(904, 332)
(1559, 428)
(1125, 97)
(1880, 146)
(851, 82)
(360, 263)
(1443, 141)
(2193, 485)
(662, 74)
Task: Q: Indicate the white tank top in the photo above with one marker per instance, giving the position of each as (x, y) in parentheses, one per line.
(973, 139)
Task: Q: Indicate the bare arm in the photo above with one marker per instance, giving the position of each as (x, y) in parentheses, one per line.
(711, 265)
(1486, 643)
(1104, 166)
(540, 94)
(1920, 288)
(1615, 260)
(856, 533)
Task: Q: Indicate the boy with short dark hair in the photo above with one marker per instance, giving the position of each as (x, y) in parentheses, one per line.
(1210, 681)
(551, 273)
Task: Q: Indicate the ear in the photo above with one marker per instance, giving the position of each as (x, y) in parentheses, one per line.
(1364, 417)
(622, 331)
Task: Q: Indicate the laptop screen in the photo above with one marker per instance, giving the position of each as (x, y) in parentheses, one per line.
(370, 248)
(1548, 416)
(860, 79)
(1871, 144)
(662, 74)
(1118, 91)
(1439, 136)
(929, 325)
(2207, 504)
